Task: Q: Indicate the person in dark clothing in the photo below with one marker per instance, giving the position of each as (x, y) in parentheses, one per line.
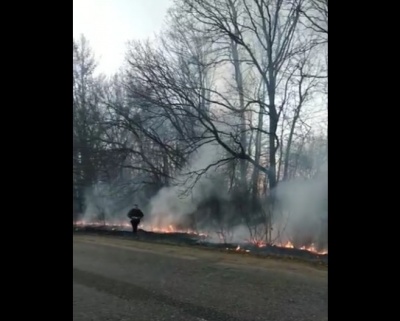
(135, 215)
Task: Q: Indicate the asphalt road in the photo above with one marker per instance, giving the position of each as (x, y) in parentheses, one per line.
(120, 280)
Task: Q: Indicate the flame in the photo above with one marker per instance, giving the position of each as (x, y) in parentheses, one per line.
(239, 249)
(289, 245)
(311, 248)
(98, 224)
(119, 226)
(171, 229)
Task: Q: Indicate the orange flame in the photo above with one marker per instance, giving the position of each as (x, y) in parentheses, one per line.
(168, 229)
(290, 245)
(171, 229)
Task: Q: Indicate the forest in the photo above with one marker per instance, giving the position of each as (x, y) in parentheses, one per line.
(218, 124)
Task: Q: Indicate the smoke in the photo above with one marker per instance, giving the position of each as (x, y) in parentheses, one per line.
(110, 202)
(301, 214)
(172, 204)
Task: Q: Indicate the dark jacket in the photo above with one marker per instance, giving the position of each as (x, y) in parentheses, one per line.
(135, 213)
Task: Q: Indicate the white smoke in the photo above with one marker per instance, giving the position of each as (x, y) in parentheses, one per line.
(172, 203)
(302, 213)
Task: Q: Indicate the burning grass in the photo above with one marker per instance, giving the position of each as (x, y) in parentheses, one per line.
(171, 235)
(127, 227)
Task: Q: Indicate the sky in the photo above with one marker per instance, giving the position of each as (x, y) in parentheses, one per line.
(109, 24)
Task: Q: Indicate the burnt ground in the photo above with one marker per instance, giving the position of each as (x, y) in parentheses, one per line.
(194, 240)
(117, 279)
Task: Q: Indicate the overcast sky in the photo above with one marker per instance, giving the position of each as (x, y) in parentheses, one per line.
(109, 24)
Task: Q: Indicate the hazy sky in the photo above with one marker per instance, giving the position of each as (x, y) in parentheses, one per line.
(109, 24)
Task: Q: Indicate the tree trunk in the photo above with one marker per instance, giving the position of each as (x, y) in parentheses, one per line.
(289, 145)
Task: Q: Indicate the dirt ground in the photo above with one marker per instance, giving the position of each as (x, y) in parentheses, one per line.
(117, 279)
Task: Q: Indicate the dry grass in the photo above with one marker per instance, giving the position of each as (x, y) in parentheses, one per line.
(237, 260)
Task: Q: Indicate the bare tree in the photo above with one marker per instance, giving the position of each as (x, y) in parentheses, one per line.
(266, 34)
(316, 13)
(85, 113)
(240, 75)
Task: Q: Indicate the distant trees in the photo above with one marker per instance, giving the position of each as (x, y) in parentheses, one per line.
(85, 120)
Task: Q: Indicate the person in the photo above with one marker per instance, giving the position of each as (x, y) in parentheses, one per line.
(135, 215)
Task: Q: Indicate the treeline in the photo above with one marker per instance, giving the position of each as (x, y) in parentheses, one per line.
(248, 76)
